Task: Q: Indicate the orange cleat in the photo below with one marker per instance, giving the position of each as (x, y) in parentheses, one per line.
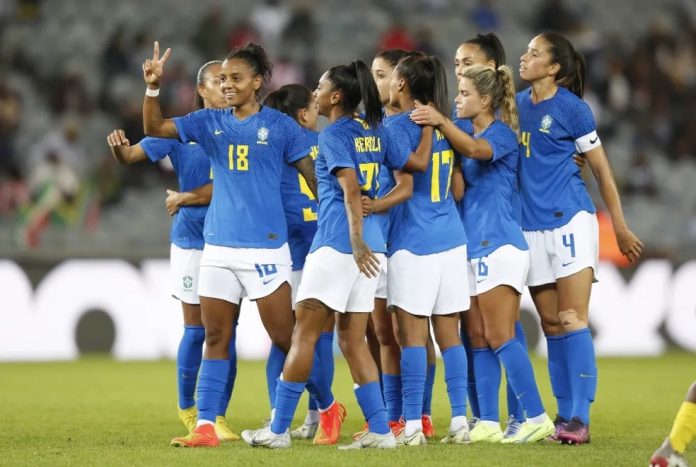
(201, 437)
(428, 428)
(330, 423)
(397, 427)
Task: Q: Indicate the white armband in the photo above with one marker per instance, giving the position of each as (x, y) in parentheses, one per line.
(587, 142)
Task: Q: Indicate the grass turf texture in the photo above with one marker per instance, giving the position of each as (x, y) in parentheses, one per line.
(96, 411)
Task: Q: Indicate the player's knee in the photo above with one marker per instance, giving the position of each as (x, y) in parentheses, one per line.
(495, 338)
(385, 333)
(214, 337)
(571, 321)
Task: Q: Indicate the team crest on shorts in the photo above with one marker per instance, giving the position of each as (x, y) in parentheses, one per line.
(546, 123)
(187, 282)
(262, 135)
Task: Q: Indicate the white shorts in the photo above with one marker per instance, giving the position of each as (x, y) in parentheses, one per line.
(184, 270)
(506, 265)
(295, 284)
(382, 281)
(426, 285)
(334, 279)
(564, 251)
(232, 273)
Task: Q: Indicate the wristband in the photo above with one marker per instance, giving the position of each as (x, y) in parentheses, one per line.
(152, 92)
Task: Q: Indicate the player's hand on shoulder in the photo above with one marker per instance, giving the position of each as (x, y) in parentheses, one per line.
(426, 115)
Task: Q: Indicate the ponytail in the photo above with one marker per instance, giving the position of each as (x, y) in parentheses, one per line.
(491, 47)
(356, 83)
(499, 86)
(571, 74)
(290, 99)
(427, 80)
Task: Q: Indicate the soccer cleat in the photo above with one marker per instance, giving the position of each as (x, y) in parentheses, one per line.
(305, 431)
(264, 437)
(223, 431)
(560, 424)
(416, 439)
(666, 456)
(485, 433)
(372, 440)
(201, 437)
(330, 422)
(397, 427)
(513, 426)
(472, 422)
(358, 434)
(188, 417)
(428, 428)
(531, 432)
(461, 436)
(574, 432)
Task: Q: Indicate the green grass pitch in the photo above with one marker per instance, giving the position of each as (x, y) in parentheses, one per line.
(96, 411)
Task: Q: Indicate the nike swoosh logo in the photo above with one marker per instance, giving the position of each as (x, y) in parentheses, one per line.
(566, 264)
(583, 375)
(521, 395)
(478, 282)
(593, 141)
(219, 132)
(268, 281)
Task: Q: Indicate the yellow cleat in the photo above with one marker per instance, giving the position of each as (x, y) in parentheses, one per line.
(531, 432)
(188, 417)
(484, 433)
(222, 430)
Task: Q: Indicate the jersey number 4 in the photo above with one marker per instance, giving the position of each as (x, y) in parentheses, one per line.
(525, 140)
(238, 157)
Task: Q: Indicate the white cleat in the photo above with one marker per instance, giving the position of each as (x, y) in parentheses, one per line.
(305, 431)
(461, 436)
(372, 440)
(264, 437)
(513, 426)
(416, 439)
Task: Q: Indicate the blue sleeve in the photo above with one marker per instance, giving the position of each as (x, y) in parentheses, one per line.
(297, 144)
(335, 151)
(580, 120)
(465, 125)
(502, 140)
(399, 146)
(157, 148)
(190, 127)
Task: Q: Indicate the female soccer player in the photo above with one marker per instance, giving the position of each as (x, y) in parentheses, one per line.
(193, 170)
(300, 206)
(499, 258)
(246, 250)
(341, 270)
(486, 50)
(426, 235)
(559, 222)
(384, 323)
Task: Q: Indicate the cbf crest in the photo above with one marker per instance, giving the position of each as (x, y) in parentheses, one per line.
(262, 135)
(546, 123)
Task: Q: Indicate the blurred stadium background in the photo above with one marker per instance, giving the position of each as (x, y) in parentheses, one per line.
(70, 73)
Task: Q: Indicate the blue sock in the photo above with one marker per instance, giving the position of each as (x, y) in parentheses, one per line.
(582, 370)
(232, 353)
(513, 404)
(318, 388)
(188, 361)
(274, 367)
(414, 362)
(370, 400)
(518, 369)
(471, 376)
(488, 374)
(287, 396)
(211, 387)
(392, 396)
(312, 403)
(558, 374)
(428, 390)
(324, 349)
(454, 359)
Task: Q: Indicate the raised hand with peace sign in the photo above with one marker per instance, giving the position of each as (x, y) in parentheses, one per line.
(153, 68)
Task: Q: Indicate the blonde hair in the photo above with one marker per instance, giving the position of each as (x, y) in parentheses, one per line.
(499, 86)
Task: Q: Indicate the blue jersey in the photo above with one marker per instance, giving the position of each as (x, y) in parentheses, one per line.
(300, 207)
(349, 143)
(428, 222)
(192, 169)
(247, 157)
(552, 190)
(386, 184)
(488, 213)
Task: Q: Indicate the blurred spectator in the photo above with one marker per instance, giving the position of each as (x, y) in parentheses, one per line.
(69, 94)
(61, 146)
(553, 15)
(286, 71)
(210, 36)
(10, 117)
(397, 37)
(270, 18)
(241, 34)
(178, 91)
(425, 41)
(640, 179)
(484, 16)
